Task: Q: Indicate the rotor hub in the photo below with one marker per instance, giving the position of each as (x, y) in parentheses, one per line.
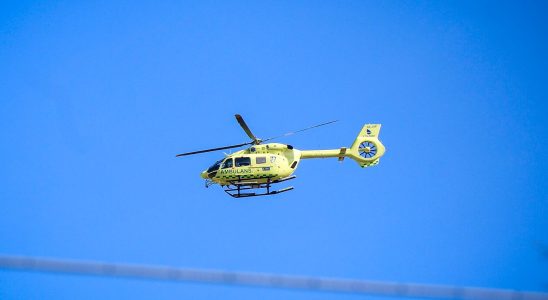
(367, 149)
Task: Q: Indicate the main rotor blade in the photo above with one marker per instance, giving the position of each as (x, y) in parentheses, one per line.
(213, 149)
(242, 123)
(300, 130)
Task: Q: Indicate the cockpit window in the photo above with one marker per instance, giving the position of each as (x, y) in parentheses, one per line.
(243, 161)
(215, 166)
(227, 163)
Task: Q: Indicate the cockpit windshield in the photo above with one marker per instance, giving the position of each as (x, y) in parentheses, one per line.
(215, 166)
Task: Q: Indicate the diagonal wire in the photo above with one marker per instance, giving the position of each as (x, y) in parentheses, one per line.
(266, 280)
(300, 130)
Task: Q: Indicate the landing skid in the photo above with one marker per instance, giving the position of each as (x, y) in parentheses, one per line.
(209, 182)
(237, 189)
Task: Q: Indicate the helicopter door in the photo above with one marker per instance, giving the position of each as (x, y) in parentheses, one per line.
(262, 163)
(227, 164)
(243, 167)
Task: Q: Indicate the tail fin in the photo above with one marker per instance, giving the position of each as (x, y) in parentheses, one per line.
(367, 149)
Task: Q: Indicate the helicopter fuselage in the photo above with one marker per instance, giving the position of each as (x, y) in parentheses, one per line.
(259, 163)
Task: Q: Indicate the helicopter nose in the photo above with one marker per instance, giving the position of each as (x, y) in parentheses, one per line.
(204, 175)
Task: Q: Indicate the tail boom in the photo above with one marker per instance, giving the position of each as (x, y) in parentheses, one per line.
(319, 153)
(366, 149)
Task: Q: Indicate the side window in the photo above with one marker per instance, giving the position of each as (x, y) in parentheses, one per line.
(243, 161)
(227, 163)
(260, 160)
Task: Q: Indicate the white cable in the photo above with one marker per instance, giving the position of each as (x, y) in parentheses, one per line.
(378, 288)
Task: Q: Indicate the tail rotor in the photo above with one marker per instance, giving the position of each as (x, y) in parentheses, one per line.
(367, 149)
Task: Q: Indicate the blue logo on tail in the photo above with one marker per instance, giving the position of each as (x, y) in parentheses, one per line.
(368, 131)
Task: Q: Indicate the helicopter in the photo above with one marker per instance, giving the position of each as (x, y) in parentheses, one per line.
(252, 171)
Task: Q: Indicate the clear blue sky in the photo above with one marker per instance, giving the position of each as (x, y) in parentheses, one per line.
(96, 98)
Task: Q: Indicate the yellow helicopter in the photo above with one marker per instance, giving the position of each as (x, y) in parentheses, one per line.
(252, 171)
